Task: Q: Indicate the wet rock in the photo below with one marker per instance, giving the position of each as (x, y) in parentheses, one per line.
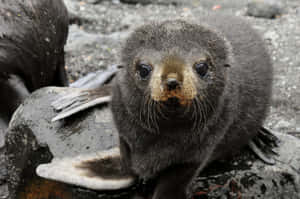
(32, 140)
(265, 8)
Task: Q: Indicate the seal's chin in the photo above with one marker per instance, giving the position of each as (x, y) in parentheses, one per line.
(172, 102)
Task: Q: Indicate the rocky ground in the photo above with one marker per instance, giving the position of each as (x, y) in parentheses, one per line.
(99, 27)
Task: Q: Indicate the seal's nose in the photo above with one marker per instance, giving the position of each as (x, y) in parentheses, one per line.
(172, 83)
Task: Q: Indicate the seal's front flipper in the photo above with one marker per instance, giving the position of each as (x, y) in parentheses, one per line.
(96, 79)
(262, 145)
(79, 100)
(173, 182)
(98, 171)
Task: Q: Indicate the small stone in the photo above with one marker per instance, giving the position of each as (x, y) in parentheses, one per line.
(265, 8)
(151, 1)
(298, 11)
(4, 192)
(1, 139)
(283, 124)
(94, 1)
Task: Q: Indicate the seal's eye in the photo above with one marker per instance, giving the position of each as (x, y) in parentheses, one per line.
(201, 68)
(144, 70)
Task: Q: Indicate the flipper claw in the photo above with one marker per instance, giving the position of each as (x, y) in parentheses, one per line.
(262, 145)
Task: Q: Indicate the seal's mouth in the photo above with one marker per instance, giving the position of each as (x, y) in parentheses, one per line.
(174, 97)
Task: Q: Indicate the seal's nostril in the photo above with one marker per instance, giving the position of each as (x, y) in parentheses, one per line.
(172, 83)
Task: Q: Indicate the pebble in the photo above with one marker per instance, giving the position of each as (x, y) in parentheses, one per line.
(1, 139)
(265, 8)
(3, 191)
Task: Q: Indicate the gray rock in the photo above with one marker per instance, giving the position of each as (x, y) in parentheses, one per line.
(265, 8)
(1, 138)
(32, 140)
(151, 1)
(3, 176)
(298, 11)
(94, 1)
(77, 19)
(95, 48)
(4, 191)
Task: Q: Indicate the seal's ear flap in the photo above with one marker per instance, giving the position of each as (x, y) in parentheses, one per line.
(229, 60)
(98, 171)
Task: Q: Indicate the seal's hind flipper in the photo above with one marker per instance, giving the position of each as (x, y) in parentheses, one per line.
(80, 100)
(262, 145)
(98, 171)
(96, 79)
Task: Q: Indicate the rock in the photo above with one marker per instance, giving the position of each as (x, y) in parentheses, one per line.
(76, 19)
(79, 39)
(298, 11)
(96, 49)
(265, 8)
(3, 191)
(32, 140)
(3, 176)
(94, 1)
(151, 1)
(1, 138)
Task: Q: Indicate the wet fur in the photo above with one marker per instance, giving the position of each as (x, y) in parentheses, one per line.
(32, 38)
(226, 113)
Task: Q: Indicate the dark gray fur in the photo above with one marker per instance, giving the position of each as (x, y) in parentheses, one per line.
(32, 38)
(237, 101)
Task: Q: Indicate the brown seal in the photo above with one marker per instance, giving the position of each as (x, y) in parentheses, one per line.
(189, 93)
(32, 38)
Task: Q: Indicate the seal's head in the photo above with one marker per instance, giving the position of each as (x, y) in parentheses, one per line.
(178, 65)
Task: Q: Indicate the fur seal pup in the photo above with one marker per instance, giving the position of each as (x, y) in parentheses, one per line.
(32, 38)
(189, 93)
